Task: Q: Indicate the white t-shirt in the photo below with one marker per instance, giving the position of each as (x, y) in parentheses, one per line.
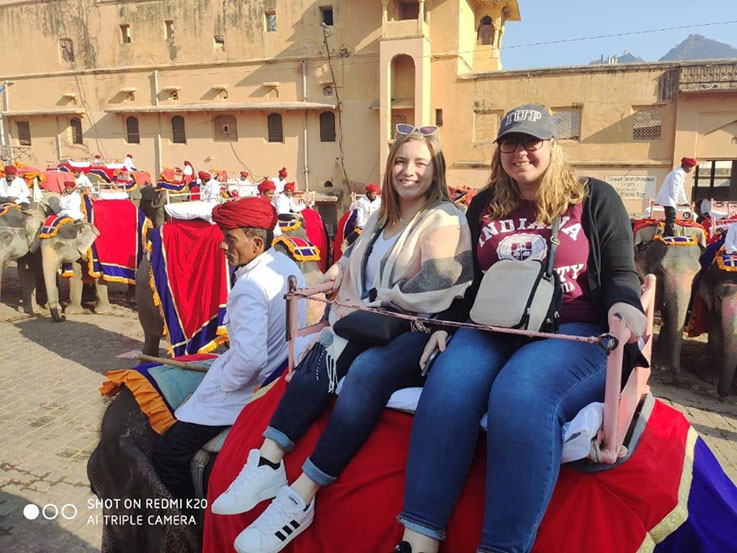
(671, 193)
(365, 208)
(71, 205)
(16, 188)
(381, 246)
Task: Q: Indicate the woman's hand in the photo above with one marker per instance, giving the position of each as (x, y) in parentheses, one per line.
(436, 342)
(635, 319)
(334, 274)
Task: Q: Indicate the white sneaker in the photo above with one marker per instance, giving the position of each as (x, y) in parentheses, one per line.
(282, 521)
(253, 485)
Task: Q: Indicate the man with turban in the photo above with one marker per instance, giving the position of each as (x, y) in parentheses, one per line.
(210, 189)
(244, 188)
(280, 180)
(367, 205)
(128, 163)
(671, 194)
(13, 188)
(267, 190)
(71, 202)
(256, 324)
(285, 203)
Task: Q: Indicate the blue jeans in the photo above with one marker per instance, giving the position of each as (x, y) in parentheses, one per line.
(372, 378)
(529, 389)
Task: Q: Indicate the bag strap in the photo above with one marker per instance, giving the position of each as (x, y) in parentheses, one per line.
(552, 247)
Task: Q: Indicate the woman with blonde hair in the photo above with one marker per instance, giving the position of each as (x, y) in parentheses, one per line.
(413, 256)
(529, 388)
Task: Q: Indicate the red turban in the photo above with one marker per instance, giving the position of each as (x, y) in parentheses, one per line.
(244, 174)
(689, 161)
(245, 213)
(98, 156)
(69, 184)
(265, 186)
(129, 155)
(10, 170)
(204, 175)
(289, 186)
(372, 188)
(283, 173)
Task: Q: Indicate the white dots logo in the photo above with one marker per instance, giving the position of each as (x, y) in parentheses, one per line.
(31, 511)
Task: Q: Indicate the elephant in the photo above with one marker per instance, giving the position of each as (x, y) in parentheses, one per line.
(675, 268)
(18, 229)
(718, 289)
(70, 245)
(120, 469)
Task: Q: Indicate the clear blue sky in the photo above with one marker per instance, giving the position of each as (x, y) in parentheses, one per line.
(551, 20)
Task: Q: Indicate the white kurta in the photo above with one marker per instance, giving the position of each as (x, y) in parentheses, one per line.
(83, 181)
(672, 193)
(210, 191)
(256, 323)
(279, 183)
(245, 188)
(285, 204)
(71, 206)
(16, 188)
(128, 164)
(365, 208)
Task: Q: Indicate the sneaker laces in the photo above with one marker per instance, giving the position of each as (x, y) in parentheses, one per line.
(274, 518)
(244, 478)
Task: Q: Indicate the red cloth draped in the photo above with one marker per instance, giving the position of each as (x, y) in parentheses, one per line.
(120, 240)
(339, 237)
(317, 235)
(196, 271)
(55, 180)
(608, 512)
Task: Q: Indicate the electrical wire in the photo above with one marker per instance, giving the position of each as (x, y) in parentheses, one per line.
(340, 111)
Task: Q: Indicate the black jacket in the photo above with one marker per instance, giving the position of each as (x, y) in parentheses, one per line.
(611, 265)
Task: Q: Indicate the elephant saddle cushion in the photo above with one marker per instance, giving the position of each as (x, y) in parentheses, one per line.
(670, 494)
(301, 249)
(688, 232)
(52, 224)
(5, 207)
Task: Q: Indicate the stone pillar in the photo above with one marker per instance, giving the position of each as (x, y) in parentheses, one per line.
(421, 18)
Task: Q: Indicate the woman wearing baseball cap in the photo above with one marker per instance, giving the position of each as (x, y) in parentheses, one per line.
(529, 388)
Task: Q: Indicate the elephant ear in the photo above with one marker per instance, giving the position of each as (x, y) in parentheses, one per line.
(85, 238)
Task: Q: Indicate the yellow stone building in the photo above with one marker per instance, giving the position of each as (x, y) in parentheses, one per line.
(317, 86)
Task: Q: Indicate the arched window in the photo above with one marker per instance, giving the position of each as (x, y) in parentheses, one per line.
(179, 136)
(276, 132)
(76, 124)
(226, 128)
(327, 126)
(133, 136)
(485, 35)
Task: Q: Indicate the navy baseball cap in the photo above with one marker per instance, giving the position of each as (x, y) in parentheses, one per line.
(531, 119)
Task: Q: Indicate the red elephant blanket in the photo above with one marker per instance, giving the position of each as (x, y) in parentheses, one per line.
(670, 495)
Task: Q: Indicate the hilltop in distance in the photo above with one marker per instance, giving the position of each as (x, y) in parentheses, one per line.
(694, 47)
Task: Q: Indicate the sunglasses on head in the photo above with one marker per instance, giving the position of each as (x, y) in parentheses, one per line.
(404, 128)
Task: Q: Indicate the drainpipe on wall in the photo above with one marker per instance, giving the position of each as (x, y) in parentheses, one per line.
(304, 99)
(157, 144)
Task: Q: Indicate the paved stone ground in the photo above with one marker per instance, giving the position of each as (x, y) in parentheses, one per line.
(50, 412)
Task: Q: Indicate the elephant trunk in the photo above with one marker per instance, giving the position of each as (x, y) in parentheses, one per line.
(676, 295)
(729, 337)
(50, 269)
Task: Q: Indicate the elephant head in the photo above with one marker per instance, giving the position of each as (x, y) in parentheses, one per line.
(718, 289)
(71, 243)
(675, 268)
(18, 230)
(152, 204)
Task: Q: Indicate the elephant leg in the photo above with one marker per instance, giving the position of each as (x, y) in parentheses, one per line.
(75, 291)
(729, 342)
(148, 313)
(130, 294)
(103, 301)
(675, 298)
(714, 347)
(27, 287)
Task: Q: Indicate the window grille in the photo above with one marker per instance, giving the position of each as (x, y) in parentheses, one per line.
(131, 130)
(276, 132)
(66, 50)
(270, 22)
(568, 123)
(24, 133)
(647, 124)
(397, 118)
(179, 136)
(226, 128)
(76, 124)
(327, 126)
(327, 90)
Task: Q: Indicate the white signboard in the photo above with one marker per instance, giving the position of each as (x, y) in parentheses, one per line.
(633, 187)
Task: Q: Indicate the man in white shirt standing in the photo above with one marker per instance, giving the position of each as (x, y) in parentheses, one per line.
(210, 190)
(13, 188)
(285, 203)
(128, 163)
(367, 205)
(256, 324)
(280, 181)
(672, 194)
(244, 187)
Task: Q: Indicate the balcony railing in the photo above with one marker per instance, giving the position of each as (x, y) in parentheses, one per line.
(405, 28)
(717, 77)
